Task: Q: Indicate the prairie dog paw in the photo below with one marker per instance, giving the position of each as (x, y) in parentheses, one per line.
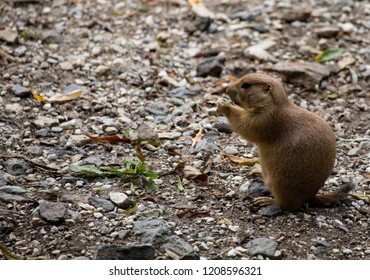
(223, 105)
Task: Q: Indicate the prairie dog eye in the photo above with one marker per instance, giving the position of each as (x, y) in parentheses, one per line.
(246, 85)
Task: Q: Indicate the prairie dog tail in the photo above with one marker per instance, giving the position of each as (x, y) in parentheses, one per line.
(332, 198)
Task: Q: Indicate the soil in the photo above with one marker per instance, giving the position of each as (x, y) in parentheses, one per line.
(137, 64)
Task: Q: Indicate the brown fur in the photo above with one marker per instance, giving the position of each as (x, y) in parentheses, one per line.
(297, 148)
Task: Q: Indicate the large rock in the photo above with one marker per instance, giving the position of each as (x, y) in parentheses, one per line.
(178, 248)
(120, 199)
(97, 202)
(211, 66)
(20, 91)
(52, 212)
(262, 246)
(152, 230)
(8, 36)
(308, 74)
(128, 252)
(17, 167)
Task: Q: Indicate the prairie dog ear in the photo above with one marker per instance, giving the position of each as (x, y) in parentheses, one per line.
(268, 88)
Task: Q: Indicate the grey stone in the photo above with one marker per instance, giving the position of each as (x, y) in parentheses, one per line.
(107, 205)
(20, 91)
(42, 132)
(147, 132)
(71, 124)
(157, 108)
(66, 65)
(347, 251)
(17, 167)
(184, 92)
(244, 187)
(203, 145)
(181, 248)
(308, 74)
(211, 66)
(242, 15)
(42, 121)
(353, 151)
(231, 150)
(327, 31)
(21, 50)
(72, 87)
(51, 37)
(103, 70)
(93, 160)
(8, 197)
(258, 188)
(44, 65)
(120, 199)
(262, 246)
(322, 242)
(153, 230)
(185, 109)
(8, 35)
(35, 150)
(169, 135)
(81, 258)
(223, 125)
(5, 227)
(202, 23)
(52, 212)
(213, 28)
(270, 210)
(2, 179)
(128, 252)
(110, 130)
(13, 108)
(261, 28)
(13, 189)
(77, 140)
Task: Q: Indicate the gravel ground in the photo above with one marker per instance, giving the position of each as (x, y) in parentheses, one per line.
(150, 72)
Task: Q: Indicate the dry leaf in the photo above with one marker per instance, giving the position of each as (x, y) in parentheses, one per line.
(259, 51)
(179, 184)
(200, 9)
(37, 97)
(225, 80)
(361, 196)
(76, 158)
(86, 206)
(172, 254)
(242, 161)
(197, 137)
(256, 170)
(191, 213)
(58, 97)
(194, 174)
(109, 139)
(66, 97)
(139, 153)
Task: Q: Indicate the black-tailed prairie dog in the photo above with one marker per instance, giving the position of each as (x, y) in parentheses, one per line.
(297, 148)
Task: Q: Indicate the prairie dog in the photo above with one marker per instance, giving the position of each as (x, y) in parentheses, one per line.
(297, 148)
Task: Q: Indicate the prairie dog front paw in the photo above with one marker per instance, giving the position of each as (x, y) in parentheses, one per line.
(223, 105)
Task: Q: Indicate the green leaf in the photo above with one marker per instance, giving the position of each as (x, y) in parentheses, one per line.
(354, 76)
(88, 170)
(179, 184)
(151, 186)
(329, 54)
(139, 174)
(332, 96)
(132, 210)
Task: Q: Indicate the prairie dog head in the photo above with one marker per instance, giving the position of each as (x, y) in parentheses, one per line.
(257, 92)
